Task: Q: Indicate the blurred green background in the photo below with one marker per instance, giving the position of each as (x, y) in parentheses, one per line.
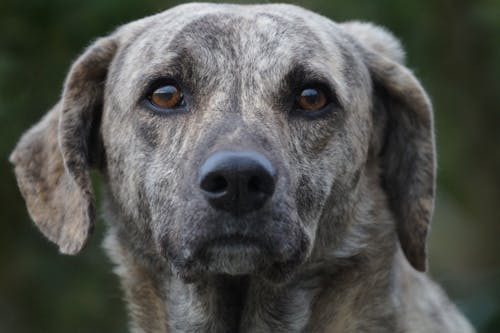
(453, 47)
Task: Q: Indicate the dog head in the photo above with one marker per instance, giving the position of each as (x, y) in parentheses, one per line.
(224, 133)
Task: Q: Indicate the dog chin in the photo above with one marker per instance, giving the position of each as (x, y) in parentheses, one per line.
(236, 257)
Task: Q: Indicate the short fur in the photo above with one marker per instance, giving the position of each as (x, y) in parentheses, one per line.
(340, 244)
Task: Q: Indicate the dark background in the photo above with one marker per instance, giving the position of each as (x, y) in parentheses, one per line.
(453, 47)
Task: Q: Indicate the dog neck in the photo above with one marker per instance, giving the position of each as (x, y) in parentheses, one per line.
(193, 307)
(160, 301)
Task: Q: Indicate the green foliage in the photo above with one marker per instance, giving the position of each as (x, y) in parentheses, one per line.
(454, 48)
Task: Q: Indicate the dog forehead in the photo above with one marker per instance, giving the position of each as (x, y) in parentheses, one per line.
(250, 42)
(211, 19)
(211, 33)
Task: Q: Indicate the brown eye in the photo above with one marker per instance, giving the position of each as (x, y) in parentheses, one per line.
(167, 97)
(311, 99)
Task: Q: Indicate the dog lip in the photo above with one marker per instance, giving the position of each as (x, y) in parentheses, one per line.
(233, 241)
(236, 242)
(232, 254)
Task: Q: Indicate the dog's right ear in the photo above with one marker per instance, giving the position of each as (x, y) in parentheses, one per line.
(53, 158)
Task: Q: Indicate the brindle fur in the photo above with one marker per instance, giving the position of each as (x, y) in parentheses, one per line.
(353, 200)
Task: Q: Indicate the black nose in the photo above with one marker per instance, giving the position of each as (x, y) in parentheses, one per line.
(237, 182)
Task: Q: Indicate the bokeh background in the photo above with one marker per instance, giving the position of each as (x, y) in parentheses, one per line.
(453, 47)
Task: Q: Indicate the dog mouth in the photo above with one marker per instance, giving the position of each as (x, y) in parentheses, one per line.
(238, 255)
(270, 245)
(233, 255)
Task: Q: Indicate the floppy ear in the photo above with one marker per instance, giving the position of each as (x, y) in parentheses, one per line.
(53, 158)
(407, 152)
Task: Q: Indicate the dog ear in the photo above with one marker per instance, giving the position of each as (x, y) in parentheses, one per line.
(53, 158)
(406, 152)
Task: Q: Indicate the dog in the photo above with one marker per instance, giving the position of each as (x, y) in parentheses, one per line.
(265, 170)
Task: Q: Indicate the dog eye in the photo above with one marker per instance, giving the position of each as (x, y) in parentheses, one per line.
(312, 99)
(167, 97)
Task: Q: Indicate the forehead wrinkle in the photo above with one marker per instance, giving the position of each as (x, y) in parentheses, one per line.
(154, 46)
(211, 41)
(214, 35)
(230, 39)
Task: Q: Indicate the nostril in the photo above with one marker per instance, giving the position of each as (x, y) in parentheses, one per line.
(219, 184)
(254, 184)
(262, 183)
(214, 184)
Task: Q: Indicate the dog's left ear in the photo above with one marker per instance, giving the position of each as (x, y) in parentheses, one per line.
(406, 149)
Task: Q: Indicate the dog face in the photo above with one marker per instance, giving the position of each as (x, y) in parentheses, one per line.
(226, 134)
(241, 77)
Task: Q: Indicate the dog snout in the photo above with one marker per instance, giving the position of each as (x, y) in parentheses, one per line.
(237, 182)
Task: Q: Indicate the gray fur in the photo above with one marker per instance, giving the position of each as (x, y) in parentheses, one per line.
(333, 249)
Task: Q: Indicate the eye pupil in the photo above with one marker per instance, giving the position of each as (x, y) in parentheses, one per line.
(310, 96)
(311, 99)
(167, 97)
